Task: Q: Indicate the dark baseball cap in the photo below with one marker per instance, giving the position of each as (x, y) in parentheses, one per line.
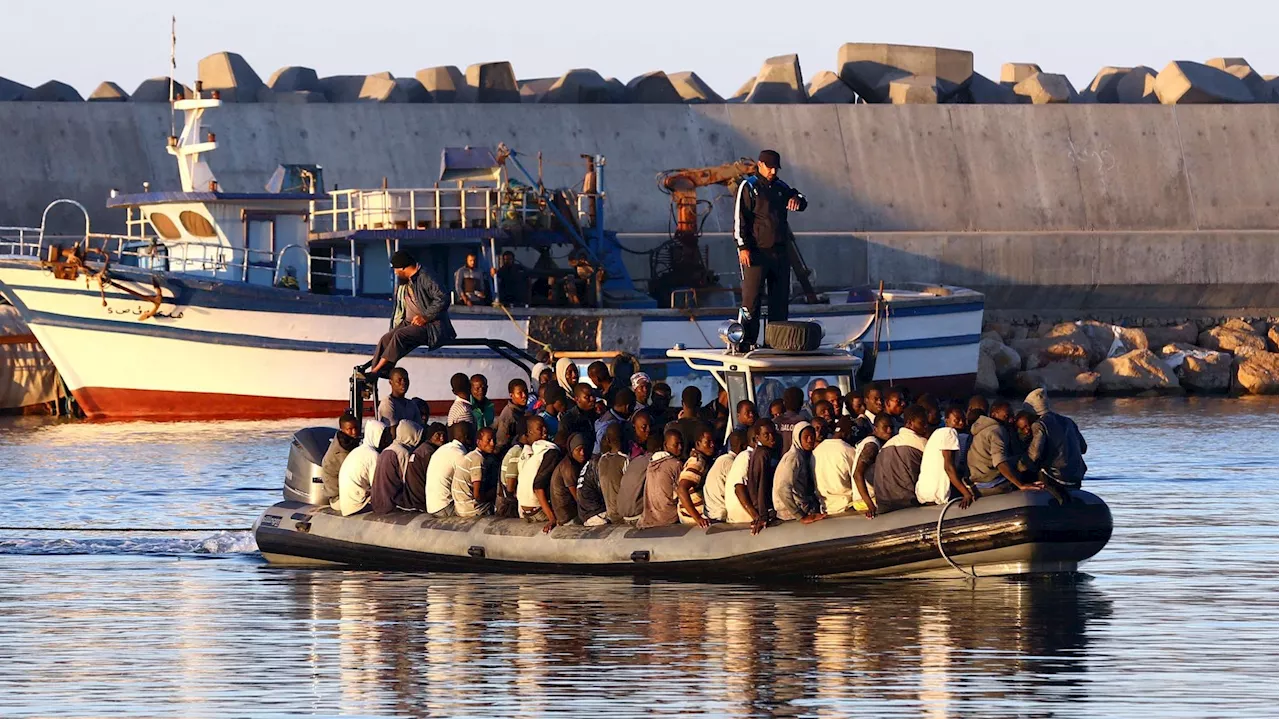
(771, 158)
(401, 260)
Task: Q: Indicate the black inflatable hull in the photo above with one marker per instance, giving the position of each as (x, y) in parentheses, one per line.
(1020, 533)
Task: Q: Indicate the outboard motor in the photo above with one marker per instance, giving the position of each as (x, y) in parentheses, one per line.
(302, 480)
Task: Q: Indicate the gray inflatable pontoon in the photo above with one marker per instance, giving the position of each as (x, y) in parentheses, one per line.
(1018, 533)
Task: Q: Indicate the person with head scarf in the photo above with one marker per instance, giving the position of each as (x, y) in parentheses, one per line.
(794, 489)
(347, 439)
(641, 386)
(389, 475)
(564, 480)
(539, 377)
(566, 375)
(660, 482)
(355, 479)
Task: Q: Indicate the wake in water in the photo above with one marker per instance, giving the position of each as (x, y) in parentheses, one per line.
(220, 543)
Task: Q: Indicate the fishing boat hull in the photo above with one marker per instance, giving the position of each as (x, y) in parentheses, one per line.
(221, 350)
(1010, 534)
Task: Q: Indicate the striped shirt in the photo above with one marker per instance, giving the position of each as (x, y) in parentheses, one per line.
(460, 412)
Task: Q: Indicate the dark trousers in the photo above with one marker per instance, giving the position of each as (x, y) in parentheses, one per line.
(769, 267)
(404, 339)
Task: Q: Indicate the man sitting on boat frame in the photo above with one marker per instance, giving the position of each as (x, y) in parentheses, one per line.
(421, 316)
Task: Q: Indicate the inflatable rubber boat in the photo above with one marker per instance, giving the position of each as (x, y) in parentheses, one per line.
(1008, 534)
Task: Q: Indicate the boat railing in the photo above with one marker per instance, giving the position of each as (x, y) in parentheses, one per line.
(422, 209)
(19, 241)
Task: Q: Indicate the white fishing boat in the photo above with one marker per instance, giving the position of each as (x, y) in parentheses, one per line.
(219, 304)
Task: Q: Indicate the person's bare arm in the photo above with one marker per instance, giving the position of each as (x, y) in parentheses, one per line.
(1008, 472)
(948, 464)
(744, 498)
(860, 478)
(545, 503)
(683, 488)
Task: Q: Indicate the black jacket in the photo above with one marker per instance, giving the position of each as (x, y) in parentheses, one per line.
(760, 213)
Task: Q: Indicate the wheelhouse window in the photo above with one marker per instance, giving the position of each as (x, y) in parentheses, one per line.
(164, 226)
(197, 224)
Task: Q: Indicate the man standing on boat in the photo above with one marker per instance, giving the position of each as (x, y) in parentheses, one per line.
(761, 233)
(421, 317)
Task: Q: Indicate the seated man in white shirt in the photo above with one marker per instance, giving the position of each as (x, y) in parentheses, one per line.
(939, 477)
(445, 466)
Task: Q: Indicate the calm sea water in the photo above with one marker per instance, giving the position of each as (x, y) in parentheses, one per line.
(1176, 618)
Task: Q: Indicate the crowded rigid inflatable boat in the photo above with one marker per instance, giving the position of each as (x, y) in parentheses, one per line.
(1034, 530)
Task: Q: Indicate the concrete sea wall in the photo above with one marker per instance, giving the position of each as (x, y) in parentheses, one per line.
(1092, 207)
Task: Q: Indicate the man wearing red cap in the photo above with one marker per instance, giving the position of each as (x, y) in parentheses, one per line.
(761, 233)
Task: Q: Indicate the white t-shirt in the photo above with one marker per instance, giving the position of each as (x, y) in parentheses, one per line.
(934, 487)
(833, 461)
(714, 486)
(440, 470)
(733, 509)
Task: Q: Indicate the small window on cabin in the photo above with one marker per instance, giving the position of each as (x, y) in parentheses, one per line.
(164, 226)
(197, 224)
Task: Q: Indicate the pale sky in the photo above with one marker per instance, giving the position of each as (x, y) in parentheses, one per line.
(83, 43)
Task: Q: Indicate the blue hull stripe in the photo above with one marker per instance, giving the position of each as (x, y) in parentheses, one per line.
(199, 292)
(151, 329)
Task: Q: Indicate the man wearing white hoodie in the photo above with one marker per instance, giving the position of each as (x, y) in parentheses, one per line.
(355, 479)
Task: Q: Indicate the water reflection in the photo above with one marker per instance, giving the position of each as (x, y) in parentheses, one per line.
(531, 646)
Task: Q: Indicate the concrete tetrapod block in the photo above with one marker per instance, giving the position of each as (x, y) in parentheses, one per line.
(863, 66)
(294, 79)
(52, 91)
(984, 91)
(108, 92)
(779, 81)
(412, 90)
(1240, 68)
(1012, 73)
(296, 97)
(827, 87)
(579, 86)
(1183, 82)
(652, 88)
(1046, 87)
(1104, 86)
(156, 89)
(1138, 86)
(617, 90)
(915, 90)
(693, 89)
(445, 83)
(1271, 90)
(533, 90)
(745, 89)
(231, 75)
(10, 90)
(379, 87)
(492, 82)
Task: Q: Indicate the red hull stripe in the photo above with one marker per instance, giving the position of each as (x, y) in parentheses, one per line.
(124, 404)
(112, 403)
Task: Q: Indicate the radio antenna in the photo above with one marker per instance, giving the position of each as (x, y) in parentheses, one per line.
(173, 69)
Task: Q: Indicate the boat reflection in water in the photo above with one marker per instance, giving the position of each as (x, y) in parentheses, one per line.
(499, 645)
